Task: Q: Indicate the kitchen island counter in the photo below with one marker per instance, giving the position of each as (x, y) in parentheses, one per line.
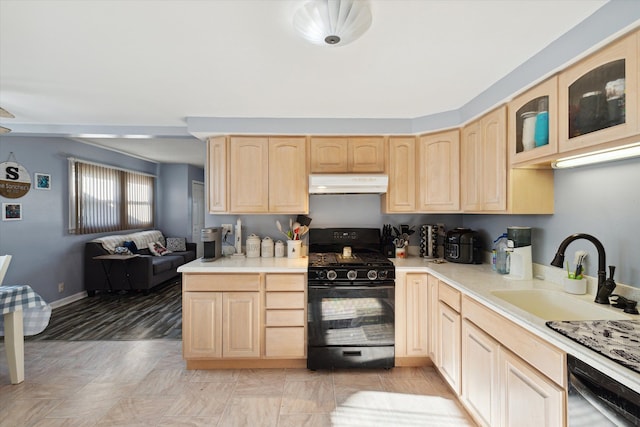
(246, 265)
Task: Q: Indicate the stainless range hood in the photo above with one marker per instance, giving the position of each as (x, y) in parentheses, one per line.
(348, 183)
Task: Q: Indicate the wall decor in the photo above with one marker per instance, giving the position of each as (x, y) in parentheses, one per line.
(11, 211)
(42, 180)
(15, 180)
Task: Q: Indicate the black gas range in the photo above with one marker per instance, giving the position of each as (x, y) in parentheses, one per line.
(353, 268)
(351, 292)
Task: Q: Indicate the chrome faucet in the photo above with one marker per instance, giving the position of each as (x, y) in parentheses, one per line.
(605, 286)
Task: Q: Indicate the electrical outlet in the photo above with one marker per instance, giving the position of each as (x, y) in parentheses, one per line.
(61, 287)
(227, 228)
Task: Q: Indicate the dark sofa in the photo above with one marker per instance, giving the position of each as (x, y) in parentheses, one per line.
(139, 273)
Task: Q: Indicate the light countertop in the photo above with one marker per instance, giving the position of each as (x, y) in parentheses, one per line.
(477, 281)
(246, 265)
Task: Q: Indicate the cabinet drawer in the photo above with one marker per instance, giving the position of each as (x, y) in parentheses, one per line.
(285, 300)
(200, 282)
(285, 282)
(285, 342)
(541, 355)
(449, 296)
(285, 318)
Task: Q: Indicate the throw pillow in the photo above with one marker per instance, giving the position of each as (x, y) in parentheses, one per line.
(131, 245)
(158, 249)
(121, 250)
(177, 244)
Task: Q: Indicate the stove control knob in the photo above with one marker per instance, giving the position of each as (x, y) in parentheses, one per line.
(382, 274)
(322, 274)
(372, 275)
(352, 275)
(332, 275)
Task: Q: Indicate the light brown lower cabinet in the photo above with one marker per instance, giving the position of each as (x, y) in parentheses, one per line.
(221, 324)
(449, 330)
(285, 318)
(433, 339)
(529, 399)
(202, 324)
(241, 324)
(449, 349)
(412, 319)
(244, 320)
(480, 376)
(417, 314)
(509, 376)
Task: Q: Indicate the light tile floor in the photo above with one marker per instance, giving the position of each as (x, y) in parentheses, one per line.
(145, 383)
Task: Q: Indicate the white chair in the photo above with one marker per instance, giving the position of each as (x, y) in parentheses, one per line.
(4, 266)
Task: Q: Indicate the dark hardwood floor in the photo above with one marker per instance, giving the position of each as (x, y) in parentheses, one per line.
(130, 316)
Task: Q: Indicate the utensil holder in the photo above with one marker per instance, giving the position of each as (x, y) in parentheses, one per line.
(294, 248)
(574, 286)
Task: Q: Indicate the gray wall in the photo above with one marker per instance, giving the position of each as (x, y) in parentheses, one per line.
(601, 200)
(174, 201)
(355, 210)
(44, 254)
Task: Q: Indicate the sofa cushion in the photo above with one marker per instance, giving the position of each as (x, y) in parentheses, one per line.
(161, 264)
(187, 256)
(176, 261)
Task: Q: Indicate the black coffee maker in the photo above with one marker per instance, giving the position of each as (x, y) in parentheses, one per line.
(212, 243)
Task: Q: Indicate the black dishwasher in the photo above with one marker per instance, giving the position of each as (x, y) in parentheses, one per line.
(596, 400)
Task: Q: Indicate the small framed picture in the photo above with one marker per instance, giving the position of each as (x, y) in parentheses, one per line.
(11, 211)
(42, 180)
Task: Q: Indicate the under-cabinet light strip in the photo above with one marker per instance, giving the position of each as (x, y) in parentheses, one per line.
(624, 152)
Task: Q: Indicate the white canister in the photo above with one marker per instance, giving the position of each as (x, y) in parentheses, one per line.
(294, 248)
(253, 246)
(267, 247)
(528, 130)
(279, 249)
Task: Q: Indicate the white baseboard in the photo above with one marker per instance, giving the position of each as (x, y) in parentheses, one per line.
(69, 299)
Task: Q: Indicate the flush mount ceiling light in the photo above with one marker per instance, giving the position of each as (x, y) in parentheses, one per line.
(333, 22)
(624, 152)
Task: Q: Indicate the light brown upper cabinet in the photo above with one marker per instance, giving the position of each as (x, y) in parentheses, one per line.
(487, 184)
(439, 172)
(268, 174)
(249, 174)
(484, 164)
(598, 97)
(288, 182)
(424, 173)
(362, 154)
(401, 194)
(533, 124)
(216, 171)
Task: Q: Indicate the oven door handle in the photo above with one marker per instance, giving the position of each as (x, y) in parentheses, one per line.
(599, 404)
(355, 288)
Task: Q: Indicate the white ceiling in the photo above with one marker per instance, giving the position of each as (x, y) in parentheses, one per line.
(148, 65)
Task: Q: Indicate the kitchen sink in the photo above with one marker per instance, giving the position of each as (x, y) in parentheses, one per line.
(555, 305)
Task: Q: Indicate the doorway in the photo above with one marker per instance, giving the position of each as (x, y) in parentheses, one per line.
(197, 215)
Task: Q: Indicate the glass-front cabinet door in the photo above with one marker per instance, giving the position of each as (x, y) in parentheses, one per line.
(599, 97)
(533, 124)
